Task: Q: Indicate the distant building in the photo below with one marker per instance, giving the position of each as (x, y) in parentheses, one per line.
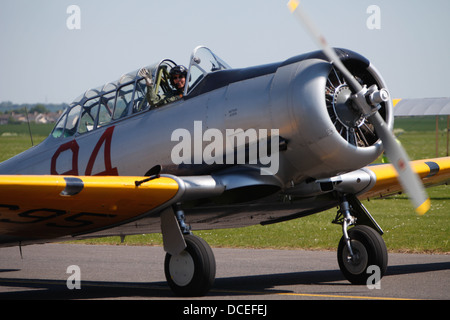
(4, 118)
(36, 117)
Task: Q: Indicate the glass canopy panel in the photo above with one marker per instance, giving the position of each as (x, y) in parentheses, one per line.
(123, 101)
(59, 127)
(140, 101)
(72, 121)
(89, 115)
(203, 61)
(106, 108)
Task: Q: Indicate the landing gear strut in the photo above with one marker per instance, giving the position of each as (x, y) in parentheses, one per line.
(361, 246)
(189, 266)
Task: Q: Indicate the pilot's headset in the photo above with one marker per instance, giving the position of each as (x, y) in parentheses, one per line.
(179, 69)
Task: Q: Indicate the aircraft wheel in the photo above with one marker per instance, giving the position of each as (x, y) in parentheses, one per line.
(193, 271)
(368, 248)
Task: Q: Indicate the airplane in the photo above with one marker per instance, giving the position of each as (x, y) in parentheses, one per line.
(256, 145)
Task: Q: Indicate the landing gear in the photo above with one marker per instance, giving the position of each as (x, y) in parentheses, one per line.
(368, 249)
(191, 272)
(360, 247)
(189, 266)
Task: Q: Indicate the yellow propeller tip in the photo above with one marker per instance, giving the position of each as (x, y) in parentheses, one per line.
(424, 207)
(293, 4)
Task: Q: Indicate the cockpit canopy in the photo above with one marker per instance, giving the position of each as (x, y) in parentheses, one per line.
(203, 61)
(127, 96)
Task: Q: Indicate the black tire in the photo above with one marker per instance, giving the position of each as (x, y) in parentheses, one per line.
(193, 271)
(369, 248)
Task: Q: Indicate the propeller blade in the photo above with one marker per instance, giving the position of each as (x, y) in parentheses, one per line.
(397, 155)
(294, 7)
(394, 151)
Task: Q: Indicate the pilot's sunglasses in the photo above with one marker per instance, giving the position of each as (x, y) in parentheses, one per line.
(176, 77)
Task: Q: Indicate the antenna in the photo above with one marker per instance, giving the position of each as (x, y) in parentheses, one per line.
(29, 128)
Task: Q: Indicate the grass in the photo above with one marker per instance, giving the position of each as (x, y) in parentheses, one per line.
(15, 138)
(404, 230)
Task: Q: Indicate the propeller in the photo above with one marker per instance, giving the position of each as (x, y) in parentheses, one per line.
(367, 101)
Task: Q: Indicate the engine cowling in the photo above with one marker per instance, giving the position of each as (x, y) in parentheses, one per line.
(326, 135)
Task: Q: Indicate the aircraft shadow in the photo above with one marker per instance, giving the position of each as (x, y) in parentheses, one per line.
(417, 268)
(42, 289)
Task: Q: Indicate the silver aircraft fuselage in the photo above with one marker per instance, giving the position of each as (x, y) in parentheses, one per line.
(289, 96)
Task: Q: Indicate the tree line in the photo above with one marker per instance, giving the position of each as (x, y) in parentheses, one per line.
(9, 107)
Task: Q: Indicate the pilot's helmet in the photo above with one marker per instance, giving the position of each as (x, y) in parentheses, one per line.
(178, 70)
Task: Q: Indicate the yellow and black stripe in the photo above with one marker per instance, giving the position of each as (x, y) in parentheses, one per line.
(431, 172)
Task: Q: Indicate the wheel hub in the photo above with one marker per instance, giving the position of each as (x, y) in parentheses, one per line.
(181, 268)
(358, 263)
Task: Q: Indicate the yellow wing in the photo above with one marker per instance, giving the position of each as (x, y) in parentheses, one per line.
(36, 208)
(431, 172)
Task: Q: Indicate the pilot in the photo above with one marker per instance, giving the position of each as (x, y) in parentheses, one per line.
(177, 80)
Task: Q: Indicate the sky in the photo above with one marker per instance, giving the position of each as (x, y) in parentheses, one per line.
(49, 54)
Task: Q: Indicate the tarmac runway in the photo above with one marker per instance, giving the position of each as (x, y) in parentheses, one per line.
(137, 272)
